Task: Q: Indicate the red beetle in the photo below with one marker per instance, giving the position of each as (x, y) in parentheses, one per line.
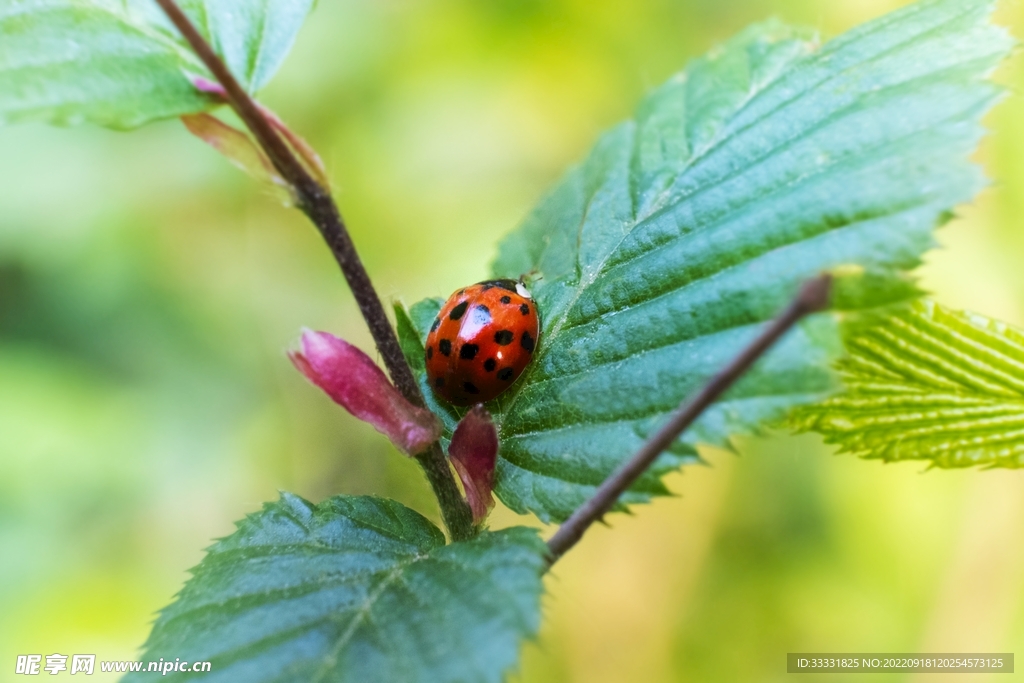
(481, 341)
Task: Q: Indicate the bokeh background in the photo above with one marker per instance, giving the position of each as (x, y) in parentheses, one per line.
(148, 291)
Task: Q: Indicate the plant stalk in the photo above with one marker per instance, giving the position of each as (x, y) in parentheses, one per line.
(813, 296)
(316, 202)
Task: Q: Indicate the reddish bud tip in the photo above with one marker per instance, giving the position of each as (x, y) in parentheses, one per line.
(474, 451)
(354, 381)
(210, 87)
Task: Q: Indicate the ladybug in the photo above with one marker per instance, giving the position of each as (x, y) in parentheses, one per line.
(481, 341)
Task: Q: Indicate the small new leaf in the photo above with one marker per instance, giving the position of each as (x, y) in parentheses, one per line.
(239, 149)
(353, 589)
(928, 384)
(252, 36)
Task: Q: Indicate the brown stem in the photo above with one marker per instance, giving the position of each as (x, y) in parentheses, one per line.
(813, 297)
(316, 202)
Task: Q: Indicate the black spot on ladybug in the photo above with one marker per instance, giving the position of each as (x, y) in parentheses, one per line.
(470, 388)
(436, 324)
(506, 374)
(439, 382)
(458, 311)
(490, 364)
(430, 352)
(468, 351)
(461, 292)
(524, 309)
(527, 342)
(506, 299)
(445, 346)
(504, 337)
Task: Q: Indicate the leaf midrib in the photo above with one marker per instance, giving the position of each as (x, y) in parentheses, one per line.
(331, 660)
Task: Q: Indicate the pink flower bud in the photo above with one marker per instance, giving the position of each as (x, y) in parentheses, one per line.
(355, 382)
(473, 451)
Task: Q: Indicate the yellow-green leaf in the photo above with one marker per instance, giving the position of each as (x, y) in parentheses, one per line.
(928, 384)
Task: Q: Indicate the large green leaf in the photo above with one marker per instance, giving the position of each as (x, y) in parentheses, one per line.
(929, 384)
(118, 63)
(767, 161)
(354, 589)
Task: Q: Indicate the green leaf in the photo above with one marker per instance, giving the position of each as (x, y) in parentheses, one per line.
(762, 164)
(68, 62)
(252, 36)
(118, 63)
(353, 589)
(928, 384)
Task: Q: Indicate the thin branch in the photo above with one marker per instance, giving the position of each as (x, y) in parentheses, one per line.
(316, 202)
(813, 297)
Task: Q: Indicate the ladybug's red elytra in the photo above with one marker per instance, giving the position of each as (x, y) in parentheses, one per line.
(481, 341)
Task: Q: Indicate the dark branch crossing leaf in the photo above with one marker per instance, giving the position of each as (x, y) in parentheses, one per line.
(928, 384)
(762, 164)
(119, 63)
(354, 589)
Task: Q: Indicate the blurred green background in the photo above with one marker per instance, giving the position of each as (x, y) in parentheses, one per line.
(148, 292)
